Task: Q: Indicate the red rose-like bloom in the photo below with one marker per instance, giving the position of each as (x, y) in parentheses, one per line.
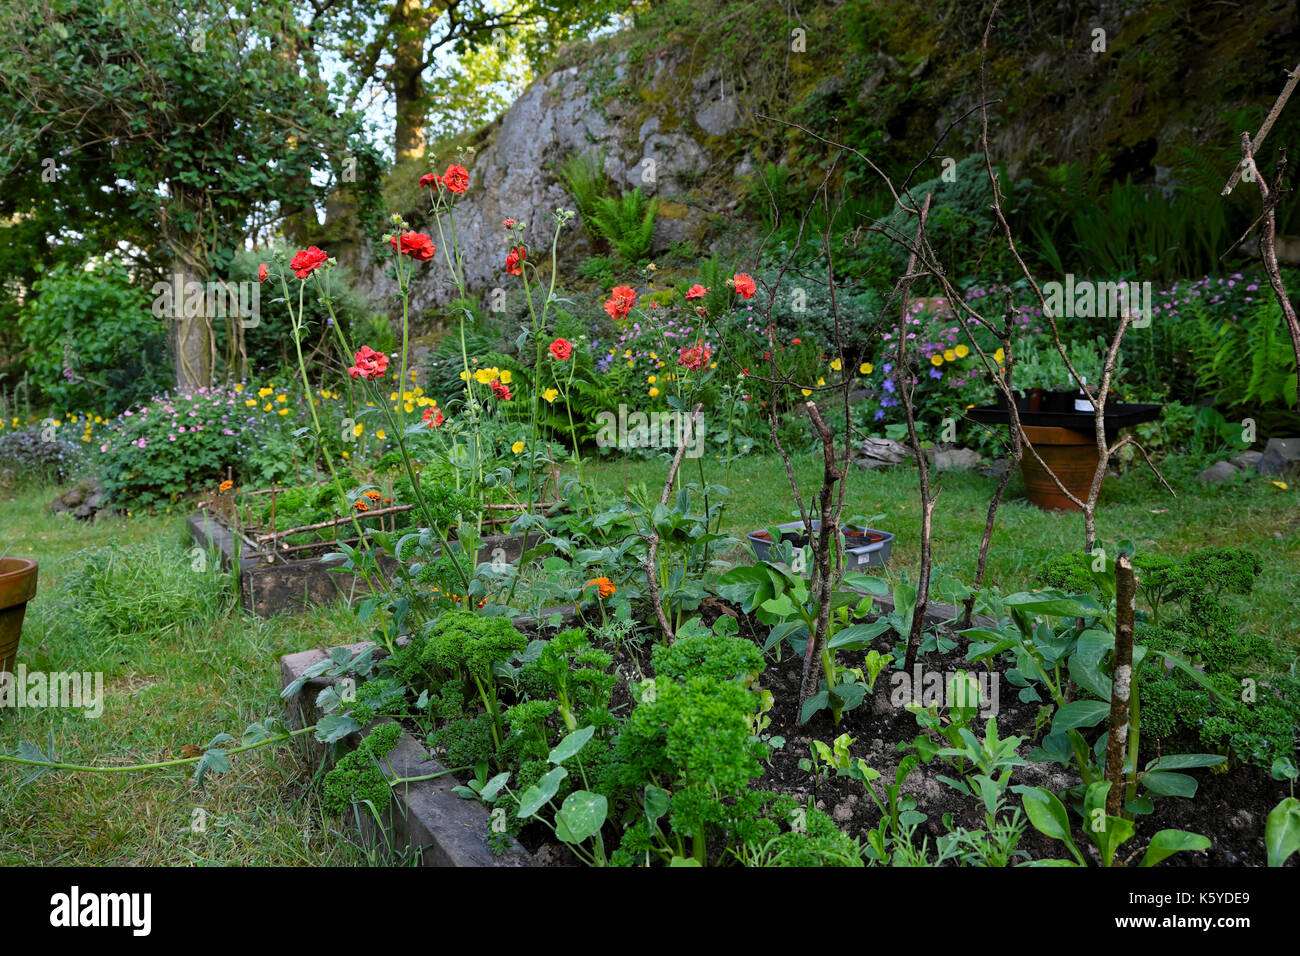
(514, 261)
(429, 179)
(307, 260)
(456, 179)
(262, 272)
(368, 364)
(500, 390)
(696, 291)
(620, 302)
(433, 417)
(562, 349)
(744, 285)
(417, 245)
(509, 224)
(695, 357)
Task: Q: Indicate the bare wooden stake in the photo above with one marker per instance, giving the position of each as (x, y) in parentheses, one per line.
(1121, 683)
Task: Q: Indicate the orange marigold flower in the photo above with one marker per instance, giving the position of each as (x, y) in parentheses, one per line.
(373, 495)
(361, 505)
(227, 485)
(604, 587)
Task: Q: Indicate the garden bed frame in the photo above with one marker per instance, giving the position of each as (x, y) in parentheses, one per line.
(273, 581)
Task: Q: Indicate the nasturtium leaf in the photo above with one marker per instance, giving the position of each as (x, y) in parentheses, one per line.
(571, 744)
(581, 816)
(536, 796)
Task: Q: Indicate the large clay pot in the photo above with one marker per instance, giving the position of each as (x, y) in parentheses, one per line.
(1071, 455)
(17, 587)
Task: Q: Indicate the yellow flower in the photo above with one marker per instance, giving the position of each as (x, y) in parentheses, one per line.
(836, 366)
(949, 355)
(267, 407)
(505, 377)
(408, 407)
(627, 354)
(999, 356)
(1279, 484)
(346, 455)
(659, 365)
(962, 351)
(820, 380)
(392, 396)
(464, 376)
(630, 364)
(651, 379)
(484, 375)
(866, 368)
(517, 447)
(550, 394)
(936, 359)
(418, 390)
(284, 411)
(251, 402)
(713, 365)
(654, 392)
(358, 428)
(281, 399)
(380, 434)
(239, 387)
(806, 392)
(654, 355)
(263, 392)
(406, 397)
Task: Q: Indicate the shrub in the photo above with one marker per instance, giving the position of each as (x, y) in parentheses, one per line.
(92, 340)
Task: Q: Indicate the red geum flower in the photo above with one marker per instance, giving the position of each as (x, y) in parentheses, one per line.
(262, 272)
(417, 245)
(620, 302)
(433, 417)
(307, 260)
(429, 179)
(695, 357)
(744, 285)
(368, 364)
(500, 390)
(456, 179)
(697, 291)
(562, 349)
(509, 224)
(514, 261)
(794, 342)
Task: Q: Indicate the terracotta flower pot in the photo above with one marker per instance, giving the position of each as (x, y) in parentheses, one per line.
(1071, 455)
(17, 587)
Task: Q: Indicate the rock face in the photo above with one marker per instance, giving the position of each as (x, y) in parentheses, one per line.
(83, 500)
(1281, 458)
(880, 453)
(945, 458)
(565, 113)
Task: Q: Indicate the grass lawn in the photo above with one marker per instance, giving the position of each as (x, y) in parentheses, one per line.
(1251, 514)
(132, 598)
(179, 667)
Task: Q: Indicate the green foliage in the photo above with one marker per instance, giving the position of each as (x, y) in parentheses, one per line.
(628, 223)
(575, 672)
(470, 644)
(693, 739)
(819, 842)
(92, 342)
(705, 653)
(358, 778)
(584, 176)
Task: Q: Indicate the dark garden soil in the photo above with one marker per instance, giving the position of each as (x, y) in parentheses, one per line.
(1230, 808)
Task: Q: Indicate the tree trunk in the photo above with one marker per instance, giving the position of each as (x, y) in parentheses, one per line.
(409, 34)
(192, 336)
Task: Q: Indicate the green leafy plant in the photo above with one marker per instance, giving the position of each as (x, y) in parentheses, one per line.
(628, 223)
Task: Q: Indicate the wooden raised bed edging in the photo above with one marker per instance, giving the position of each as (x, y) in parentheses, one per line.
(270, 583)
(447, 830)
